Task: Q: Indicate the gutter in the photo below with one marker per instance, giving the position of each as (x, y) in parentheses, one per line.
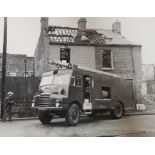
(89, 44)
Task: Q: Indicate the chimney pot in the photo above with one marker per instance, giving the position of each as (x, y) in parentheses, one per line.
(116, 27)
(82, 23)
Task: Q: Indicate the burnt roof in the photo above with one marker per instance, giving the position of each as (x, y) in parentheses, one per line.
(59, 34)
(75, 36)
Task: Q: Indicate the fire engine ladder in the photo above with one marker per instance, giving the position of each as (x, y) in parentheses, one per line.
(63, 64)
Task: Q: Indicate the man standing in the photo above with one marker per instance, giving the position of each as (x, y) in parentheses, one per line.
(9, 102)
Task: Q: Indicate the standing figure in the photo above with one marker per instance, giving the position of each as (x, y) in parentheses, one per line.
(9, 102)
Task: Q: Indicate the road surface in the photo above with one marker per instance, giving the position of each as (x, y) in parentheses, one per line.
(104, 126)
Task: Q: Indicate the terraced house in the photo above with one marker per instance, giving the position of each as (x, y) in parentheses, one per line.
(105, 50)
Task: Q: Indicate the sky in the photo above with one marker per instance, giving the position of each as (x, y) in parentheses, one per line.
(23, 32)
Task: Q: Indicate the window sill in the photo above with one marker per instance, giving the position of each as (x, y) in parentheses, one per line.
(107, 69)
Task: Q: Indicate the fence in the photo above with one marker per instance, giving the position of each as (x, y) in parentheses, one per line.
(24, 89)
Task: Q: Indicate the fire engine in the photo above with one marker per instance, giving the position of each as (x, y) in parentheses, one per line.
(70, 90)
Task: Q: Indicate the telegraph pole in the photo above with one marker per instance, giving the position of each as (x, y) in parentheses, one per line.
(4, 66)
(25, 62)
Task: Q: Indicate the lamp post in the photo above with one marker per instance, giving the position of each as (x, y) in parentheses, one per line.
(4, 66)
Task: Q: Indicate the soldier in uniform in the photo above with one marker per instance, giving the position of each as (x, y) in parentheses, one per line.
(9, 102)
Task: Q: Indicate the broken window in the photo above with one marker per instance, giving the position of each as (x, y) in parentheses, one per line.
(65, 54)
(106, 58)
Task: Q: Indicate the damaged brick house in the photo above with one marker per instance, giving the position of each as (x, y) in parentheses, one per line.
(105, 50)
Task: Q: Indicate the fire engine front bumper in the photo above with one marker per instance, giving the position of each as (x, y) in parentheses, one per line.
(48, 108)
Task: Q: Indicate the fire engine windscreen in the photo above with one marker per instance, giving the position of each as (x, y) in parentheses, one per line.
(55, 84)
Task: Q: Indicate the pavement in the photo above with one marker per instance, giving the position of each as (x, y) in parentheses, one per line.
(144, 112)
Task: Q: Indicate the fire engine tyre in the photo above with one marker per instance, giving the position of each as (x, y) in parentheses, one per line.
(45, 117)
(73, 115)
(118, 111)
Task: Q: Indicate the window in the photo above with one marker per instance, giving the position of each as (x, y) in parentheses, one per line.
(106, 59)
(65, 54)
(62, 79)
(106, 92)
(77, 82)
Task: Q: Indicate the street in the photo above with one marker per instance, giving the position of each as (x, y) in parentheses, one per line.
(105, 126)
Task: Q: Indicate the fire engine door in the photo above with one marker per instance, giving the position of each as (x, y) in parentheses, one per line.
(86, 88)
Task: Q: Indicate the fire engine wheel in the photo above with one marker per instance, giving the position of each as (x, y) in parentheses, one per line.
(118, 111)
(73, 115)
(45, 117)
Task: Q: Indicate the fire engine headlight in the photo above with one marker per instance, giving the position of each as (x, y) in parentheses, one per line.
(33, 104)
(57, 104)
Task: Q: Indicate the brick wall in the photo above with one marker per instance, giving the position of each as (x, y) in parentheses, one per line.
(40, 55)
(81, 55)
(16, 64)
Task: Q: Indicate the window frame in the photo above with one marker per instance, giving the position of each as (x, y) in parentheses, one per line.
(77, 78)
(108, 90)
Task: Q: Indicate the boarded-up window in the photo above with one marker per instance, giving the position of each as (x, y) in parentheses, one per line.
(106, 58)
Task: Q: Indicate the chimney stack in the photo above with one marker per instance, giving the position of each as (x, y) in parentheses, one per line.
(82, 23)
(44, 24)
(116, 27)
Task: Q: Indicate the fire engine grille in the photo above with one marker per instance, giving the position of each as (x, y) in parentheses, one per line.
(43, 101)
